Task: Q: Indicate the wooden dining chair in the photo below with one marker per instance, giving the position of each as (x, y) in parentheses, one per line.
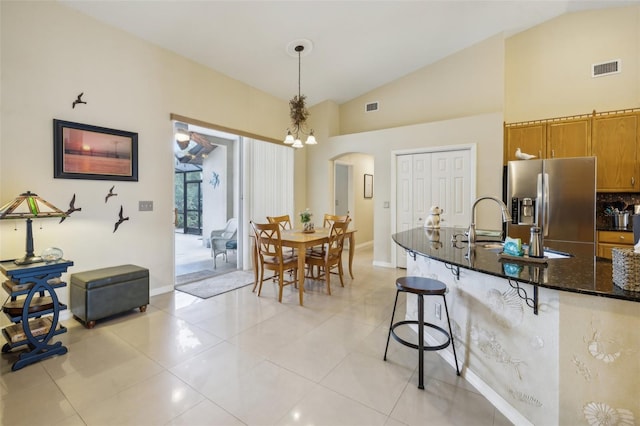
(284, 221)
(332, 256)
(328, 220)
(271, 257)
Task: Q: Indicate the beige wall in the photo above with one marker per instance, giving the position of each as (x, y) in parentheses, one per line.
(49, 55)
(548, 68)
(446, 90)
(466, 83)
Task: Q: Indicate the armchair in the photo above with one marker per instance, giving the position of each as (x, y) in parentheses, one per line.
(221, 239)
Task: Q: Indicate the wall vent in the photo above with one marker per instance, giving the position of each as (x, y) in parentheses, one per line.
(606, 68)
(371, 106)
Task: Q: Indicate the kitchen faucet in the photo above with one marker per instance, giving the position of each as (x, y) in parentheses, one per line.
(472, 227)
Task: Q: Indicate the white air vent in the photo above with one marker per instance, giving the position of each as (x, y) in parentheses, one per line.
(371, 106)
(606, 68)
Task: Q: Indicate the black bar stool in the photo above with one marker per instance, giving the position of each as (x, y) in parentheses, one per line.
(421, 287)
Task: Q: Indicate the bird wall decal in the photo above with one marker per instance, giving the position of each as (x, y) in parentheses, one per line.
(78, 100)
(110, 194)
(72, 208)
(121, 219)
(523, 155)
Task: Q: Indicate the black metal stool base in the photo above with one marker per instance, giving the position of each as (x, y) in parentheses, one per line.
(413, 345)
(421, 287)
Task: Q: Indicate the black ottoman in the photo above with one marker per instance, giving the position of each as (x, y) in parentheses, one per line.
(100, 293)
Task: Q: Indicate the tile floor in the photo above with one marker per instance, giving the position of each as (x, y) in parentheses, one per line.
(237, 359)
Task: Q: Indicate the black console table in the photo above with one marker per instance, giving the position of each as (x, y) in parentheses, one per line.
(35, 316)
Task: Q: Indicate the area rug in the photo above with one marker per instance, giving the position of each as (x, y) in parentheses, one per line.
(210, 287)
(195, 276)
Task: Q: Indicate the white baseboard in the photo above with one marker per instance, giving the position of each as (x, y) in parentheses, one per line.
(161, 290)
(364, 245)
(383, 264)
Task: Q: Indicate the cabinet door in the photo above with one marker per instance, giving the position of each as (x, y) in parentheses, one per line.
(529, 138)
(570, 138)
(615, 144)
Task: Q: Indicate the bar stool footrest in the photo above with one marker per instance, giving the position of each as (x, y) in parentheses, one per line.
(414, 346)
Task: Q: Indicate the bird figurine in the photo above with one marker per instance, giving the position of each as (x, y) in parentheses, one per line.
(523, 155)
(72, 208)
(110, 194)
(78, 100)
(120, 220)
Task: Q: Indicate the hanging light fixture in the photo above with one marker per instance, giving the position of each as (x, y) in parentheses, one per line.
(298, 112)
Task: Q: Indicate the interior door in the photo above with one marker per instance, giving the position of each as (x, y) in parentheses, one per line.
(404, 205)
(341, 191)
(451, 186)
(441, 178)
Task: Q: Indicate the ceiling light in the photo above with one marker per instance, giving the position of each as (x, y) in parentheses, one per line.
(298, 113)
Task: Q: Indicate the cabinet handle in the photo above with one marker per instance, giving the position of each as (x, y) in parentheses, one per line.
(622, 237)
(553, 153)
(633, 181)
(539, 154)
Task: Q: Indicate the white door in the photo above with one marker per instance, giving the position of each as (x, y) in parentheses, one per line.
(438, 178)
(342, 185)
(451, 186)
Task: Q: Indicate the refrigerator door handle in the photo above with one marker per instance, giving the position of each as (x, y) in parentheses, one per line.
(545, 203)
(539, 204)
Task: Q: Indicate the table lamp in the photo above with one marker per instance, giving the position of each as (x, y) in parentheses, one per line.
(29, 205)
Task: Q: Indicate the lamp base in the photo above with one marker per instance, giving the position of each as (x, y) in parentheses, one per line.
(28, 260)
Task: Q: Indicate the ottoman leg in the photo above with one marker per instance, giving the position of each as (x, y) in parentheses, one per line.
(90, 324)
(143, 308)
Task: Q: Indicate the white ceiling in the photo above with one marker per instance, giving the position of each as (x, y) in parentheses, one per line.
(357, 45)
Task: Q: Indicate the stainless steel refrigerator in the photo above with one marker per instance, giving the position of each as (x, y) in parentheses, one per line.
(558, 195)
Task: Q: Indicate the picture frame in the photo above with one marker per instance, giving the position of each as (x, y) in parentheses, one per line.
(368, 186)
(83, 151)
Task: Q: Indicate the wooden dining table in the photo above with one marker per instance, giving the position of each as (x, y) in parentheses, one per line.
(299, 240)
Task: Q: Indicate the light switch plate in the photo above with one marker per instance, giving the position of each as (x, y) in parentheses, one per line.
(145, 206)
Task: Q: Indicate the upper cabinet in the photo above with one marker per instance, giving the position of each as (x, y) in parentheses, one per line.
(615, 144)
(611, 137)
(529, 137)
(569, 138)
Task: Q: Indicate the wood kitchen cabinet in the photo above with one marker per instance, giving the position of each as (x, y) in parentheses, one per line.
(608, 240)
(615, 144)
(530, 138)
(569, 138)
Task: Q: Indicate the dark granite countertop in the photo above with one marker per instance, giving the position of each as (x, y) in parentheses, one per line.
(580, 273)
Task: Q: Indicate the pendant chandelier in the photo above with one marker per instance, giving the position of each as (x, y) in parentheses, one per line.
(299, 114)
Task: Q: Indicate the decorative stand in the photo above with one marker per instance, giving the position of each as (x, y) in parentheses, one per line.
(35, 317)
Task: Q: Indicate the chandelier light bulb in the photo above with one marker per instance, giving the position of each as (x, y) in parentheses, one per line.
(289, 139)
(311, 140)
(297, 144)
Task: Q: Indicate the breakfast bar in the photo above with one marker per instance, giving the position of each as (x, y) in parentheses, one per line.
(550, 342)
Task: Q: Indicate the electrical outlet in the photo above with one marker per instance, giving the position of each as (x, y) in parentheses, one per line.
(438, 311)
(145, 206)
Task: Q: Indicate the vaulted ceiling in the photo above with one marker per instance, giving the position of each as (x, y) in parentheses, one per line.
(357, 46)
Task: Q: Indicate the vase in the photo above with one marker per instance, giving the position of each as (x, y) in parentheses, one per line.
(307, 227)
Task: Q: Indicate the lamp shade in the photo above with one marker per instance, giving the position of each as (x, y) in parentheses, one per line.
(27, 206)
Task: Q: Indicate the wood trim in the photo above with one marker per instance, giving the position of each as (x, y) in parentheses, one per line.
(594, 113)
(243, 133)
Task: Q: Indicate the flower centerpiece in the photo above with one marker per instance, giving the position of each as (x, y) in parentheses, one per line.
(305, 218)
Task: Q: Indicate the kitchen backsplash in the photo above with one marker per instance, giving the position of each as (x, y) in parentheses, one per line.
(621, 201)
